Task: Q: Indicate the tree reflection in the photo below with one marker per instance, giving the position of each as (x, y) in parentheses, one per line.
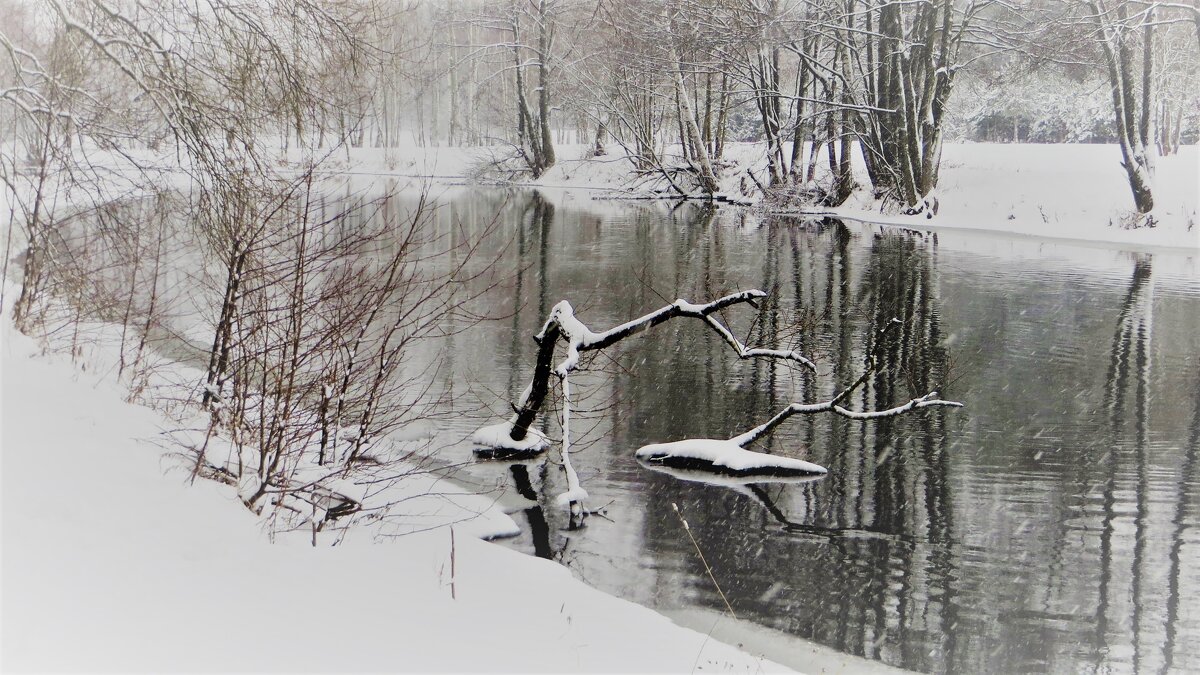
(1052, 535)
(1129, 373)
(882, 516)
(1185, 500)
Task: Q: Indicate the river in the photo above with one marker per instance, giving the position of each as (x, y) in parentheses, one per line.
(1050, 525)
(1045, 527)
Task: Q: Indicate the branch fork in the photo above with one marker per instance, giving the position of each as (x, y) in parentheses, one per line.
(730, 456)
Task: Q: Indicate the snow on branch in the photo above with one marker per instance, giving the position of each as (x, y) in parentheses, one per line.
(738, 482)
(730, 457)
(725, 457)
(834, 405)
(926, 401)
(497, 437)
(562, 323)
(575, 494)
(580, 338)
(749, 353)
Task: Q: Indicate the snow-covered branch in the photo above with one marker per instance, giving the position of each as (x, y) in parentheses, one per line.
(834, 404)
(575, 494)
(563, 323)
(580, 338)
(730, 457)
(928, 400)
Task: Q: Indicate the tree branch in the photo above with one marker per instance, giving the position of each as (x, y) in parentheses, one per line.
(580, 338)
(833, 405)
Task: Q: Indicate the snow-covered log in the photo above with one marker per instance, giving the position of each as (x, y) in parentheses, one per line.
(725, 457)
(729, 457)
(753, 486)
(738, 483)
(495, 442)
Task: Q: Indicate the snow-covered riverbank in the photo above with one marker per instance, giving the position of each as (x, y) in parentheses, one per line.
(1076, 192)
(108, 564)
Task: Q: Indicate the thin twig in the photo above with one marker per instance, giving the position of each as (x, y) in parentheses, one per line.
(688, 530)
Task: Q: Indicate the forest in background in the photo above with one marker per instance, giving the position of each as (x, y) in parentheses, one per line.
(669, 83)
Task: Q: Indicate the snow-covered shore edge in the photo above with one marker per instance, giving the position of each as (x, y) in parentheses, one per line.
(1066, 192)
(111, 560)
(108, 564)
(1050, 192)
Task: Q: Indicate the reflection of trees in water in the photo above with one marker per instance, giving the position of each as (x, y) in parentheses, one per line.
(881, 519)
(1144, 512)
(1129, 354)
(677, 360)
(533, 225)
(875, 559)
(130, 262)
(897, 481)
(911, 489)
(1185, 500)
(542, 217)
(1129, 373)
(539, 528)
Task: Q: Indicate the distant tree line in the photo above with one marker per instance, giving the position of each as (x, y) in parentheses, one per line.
(672, 82)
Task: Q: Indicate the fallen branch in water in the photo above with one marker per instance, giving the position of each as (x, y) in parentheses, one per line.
(579, 338)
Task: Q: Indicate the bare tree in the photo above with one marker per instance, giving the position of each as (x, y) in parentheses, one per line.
(909, 56)
(1125, 41)
(1119, 31)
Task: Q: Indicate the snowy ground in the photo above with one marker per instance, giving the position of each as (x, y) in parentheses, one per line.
(1076, 192)
(1059, 192)
(110, 565)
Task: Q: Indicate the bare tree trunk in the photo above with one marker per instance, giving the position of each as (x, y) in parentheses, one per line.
(1131, 136)
(798, 130)
(912, 51)
(708, 179)
(545, 43)
(683, 134)
(598, 148)
(843, 176)
(722, 119)
(562, 318)
(535, 139)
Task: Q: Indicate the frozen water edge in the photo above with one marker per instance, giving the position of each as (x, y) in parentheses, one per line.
(784, 648)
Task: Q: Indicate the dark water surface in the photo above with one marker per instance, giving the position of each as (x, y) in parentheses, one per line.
(1049, 526)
